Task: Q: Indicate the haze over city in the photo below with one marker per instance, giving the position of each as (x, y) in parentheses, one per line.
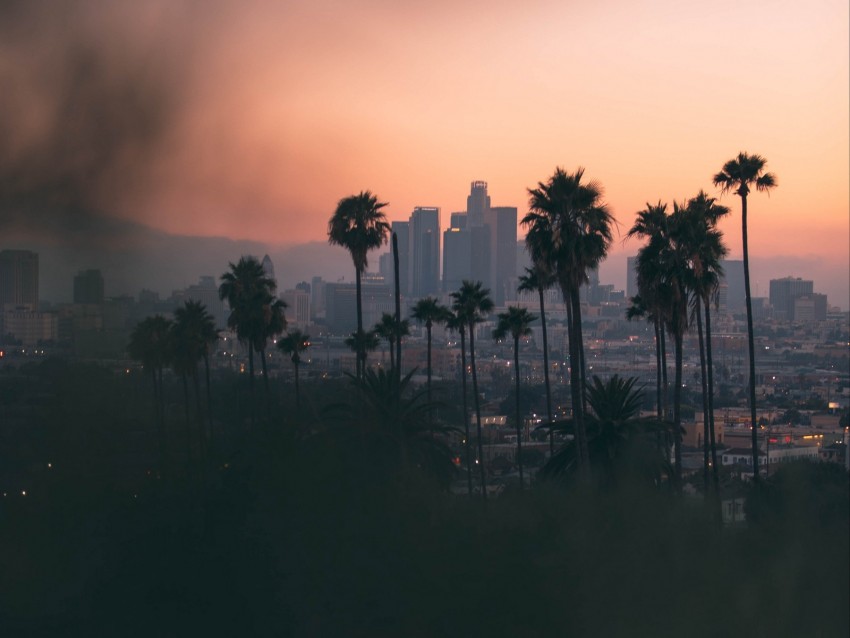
(130, 128)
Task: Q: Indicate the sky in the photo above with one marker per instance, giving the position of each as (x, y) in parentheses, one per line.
(248, 121)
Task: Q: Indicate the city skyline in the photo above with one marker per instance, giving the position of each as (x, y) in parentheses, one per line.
(154, 117)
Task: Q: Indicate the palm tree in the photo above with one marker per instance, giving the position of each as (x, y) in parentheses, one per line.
(362, 343)
(358, 225)
(739, 175)
(185, 356)
(472, 303)
(430, 312)
(537, 279)
(620, 440)
(457, 322)
(391, 330)
(392, 433)
(248, 291)
(149, 343)
(569, 231)
(196, 326)
(293, 343)
(517, 323)
(706, 249)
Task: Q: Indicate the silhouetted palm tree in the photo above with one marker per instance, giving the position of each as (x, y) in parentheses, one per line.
(537, 279)
(358, 225)
(362, 343)
(472, 303)
(293, 343)
(457, 322)
(149, 343)
(249, 294)
(516, 322)
(740, 175)
(392, 433)
(619, 439)
(569, 230)
(196, 326)
(387, 328)
(430, 312)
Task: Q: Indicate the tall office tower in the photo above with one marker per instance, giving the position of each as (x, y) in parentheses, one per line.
(631, 277)
(523, 258)
(206, 292)
(268, 268)
(297, 311)
(424, 270)
(19, 279)
(810, 307)
(733, 275)
(457, 264)
(317, 298)
(402, 231)
(458, 220)
(88, 287)
(502, 221)
(783, 293)
(477, 203)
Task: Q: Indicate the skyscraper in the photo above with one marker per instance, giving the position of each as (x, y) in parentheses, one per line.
(457, 264)
(783, 294)
(19, 279)
(477, 203)
(424, 270)
(502, 221)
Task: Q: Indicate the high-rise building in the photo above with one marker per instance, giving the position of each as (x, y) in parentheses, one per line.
(810, 307)
(88, 287)
(19, 279)
(206, 292)
(457, 264)
(477, 203)
(424, 252)
(297, 311)
(268, 268)
(502, 221)
(783, 293)
(631, 277)
(733, 275)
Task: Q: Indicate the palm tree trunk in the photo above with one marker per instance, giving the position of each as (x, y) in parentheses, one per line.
(268, 393)
(576, 386)
(188, 425)
(664, 381)
(659, 410)
(465, 411)
(251, 385)
(477, 409)
(750, 338)
(159, 425)
(360, 354)
(297, 392)
(209, 397)
(546, 373)
(398, 317)
(704, 383)
(518, 418)
(161, 408)
(677, 411)
(710, 366)
(199, 418)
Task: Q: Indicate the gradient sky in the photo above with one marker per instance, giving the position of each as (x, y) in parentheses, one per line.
(250, 120)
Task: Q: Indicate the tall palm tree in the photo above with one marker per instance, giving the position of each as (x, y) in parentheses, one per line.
(248, 291)
(429, 311)
(391, 330)
(516, 322)
(196, 326)
(740, 175)
(149, 343)
(358, 225)
(704, 242)
(472, 303)
(362, 343)
(293, 343)
(457, 322)
(538, 279)
(569, 230)
(620, 440)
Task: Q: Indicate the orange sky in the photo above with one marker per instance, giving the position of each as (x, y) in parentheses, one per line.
(282, 108)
